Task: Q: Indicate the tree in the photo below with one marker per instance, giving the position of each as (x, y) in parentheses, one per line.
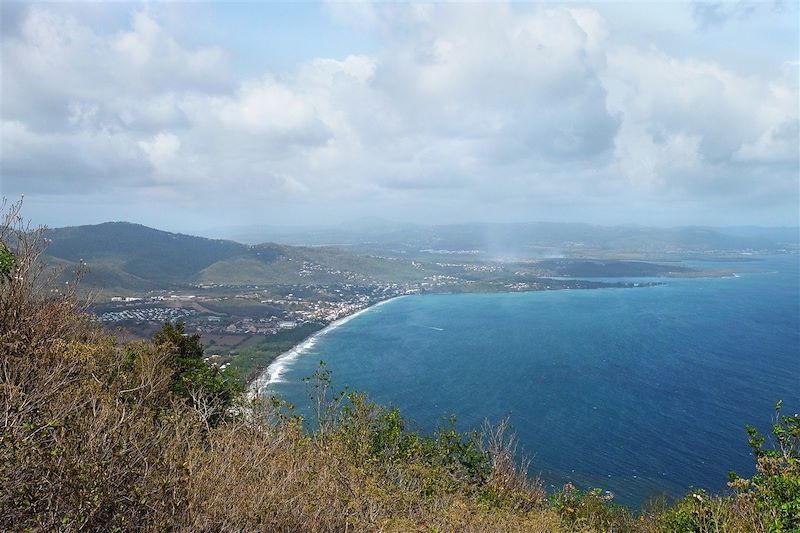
(8, 262)
(211, 391)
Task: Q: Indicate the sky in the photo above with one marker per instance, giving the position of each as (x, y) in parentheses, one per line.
(191, 116)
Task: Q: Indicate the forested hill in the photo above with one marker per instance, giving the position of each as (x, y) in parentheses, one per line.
(140, 251)
(131, 256)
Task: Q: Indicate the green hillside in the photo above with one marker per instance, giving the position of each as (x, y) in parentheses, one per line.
(140, 251)
(120, 255)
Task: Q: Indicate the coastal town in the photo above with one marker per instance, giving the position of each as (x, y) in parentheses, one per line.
(225, 309)
(251, 311)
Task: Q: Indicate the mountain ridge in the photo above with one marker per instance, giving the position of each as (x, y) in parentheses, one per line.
(123, 255)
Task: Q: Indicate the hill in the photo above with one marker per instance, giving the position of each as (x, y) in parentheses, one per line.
(125, 256)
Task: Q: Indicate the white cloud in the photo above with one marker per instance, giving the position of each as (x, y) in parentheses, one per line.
(161, 149)
(463, 104)
(57, 63)
(68, 163)
(268, 107)
(687, 124)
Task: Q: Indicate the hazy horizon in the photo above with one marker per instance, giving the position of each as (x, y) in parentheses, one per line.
(364, 222)
(191, 117)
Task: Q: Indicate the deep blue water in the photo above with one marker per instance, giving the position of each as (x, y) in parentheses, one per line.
(638, 391)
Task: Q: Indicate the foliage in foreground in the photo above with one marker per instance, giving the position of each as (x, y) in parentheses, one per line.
(101, 436)
(770, 501)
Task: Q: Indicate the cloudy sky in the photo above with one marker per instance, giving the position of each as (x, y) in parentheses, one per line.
(195, 116)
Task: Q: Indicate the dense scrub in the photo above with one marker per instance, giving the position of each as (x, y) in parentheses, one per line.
(101, 436)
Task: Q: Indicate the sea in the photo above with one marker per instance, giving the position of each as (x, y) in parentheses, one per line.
(644, 392)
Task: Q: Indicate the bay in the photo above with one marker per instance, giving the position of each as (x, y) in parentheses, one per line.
(641, 391)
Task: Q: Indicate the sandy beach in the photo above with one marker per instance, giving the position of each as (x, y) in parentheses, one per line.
(276, 368)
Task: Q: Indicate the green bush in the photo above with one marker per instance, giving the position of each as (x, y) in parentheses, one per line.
(591, 510)
(212, 391)
(695, 512)
(776, 485)
(8, 262)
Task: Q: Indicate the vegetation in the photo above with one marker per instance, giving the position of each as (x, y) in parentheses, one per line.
(209, 390)
(129, 257)
(7, 263)
(101, 436)
(251, 361)
(770, 501)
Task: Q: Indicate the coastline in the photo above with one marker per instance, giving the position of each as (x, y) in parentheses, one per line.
(275, 369)
(273, 372)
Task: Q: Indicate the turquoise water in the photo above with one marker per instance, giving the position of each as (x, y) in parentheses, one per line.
(638, 391)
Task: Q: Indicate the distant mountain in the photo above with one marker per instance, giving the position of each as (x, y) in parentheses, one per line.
(537, 239)
(125, 256)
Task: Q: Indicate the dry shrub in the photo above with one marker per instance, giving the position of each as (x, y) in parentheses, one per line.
(508, 478)
(82, 444)
(258, 478)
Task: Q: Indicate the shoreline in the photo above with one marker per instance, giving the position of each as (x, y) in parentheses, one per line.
(273, 372)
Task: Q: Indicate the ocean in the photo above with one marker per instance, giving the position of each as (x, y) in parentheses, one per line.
(640, 391)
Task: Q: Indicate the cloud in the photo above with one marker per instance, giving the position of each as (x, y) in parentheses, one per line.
(56, 63)
(708, 14)
(68, 163)
(161, 149)
(687, 125)
(462, 106)
(484, 72)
